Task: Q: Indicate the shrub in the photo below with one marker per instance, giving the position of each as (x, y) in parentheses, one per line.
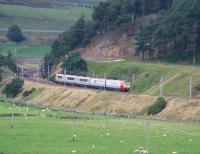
(13, 88)
(15, 34)
(28, 92)
(75, 64)
(157, 107)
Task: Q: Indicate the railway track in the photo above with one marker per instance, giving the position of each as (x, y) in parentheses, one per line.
(34, 77)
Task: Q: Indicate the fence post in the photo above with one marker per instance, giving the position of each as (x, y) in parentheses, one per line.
(48, 71)
(17, 70)
(105, 81)
(12, 121)
(190, 88)
(65, 72)
(161, 86)
(93, 74)
(22, 73)
(43, 67)
(74, 124)
(133, 82)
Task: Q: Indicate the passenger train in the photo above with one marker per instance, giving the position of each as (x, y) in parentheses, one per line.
(99, 83)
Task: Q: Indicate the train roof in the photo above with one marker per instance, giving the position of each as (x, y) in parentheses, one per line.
(92, 77)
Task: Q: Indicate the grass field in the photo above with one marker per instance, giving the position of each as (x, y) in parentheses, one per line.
(25, 50)
(41, 131)
(147, 76)
(53, 18)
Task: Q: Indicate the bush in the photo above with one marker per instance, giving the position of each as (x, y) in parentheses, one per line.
(13, 88)
(27, 93)
(157, 107)
(15, 34)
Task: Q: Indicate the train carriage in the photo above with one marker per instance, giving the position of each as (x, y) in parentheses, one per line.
(120, 85)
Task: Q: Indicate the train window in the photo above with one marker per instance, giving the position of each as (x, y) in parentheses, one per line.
(59, 77)
(83, 80)
(70, 78)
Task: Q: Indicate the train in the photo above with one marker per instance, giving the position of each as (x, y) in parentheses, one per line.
(91, 82)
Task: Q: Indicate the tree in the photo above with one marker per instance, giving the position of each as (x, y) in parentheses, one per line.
(74, 64)
(14, 34)
(10, 63)
(2, 60)
(13, 88)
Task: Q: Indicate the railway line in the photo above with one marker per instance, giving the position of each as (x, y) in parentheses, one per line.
(37, 78)
(34, 77)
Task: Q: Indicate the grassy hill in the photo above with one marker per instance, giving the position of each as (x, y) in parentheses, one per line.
(44, 18)
(44, 131)
(147, 76)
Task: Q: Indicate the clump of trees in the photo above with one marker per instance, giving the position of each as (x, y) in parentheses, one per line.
(174, 36)
(74, 64)
(15, 34)
(13, 88)
(79, 34)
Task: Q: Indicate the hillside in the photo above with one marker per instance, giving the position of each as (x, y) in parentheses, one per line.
(120, 43)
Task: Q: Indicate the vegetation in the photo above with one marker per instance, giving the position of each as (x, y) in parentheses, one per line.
(157, 107)
(13, 88)
(22, 50)
(77, 35)
(174, 35)
(15, 34)
(8, 61)
(0, 76)
(147, 76)
(74, 64)
(28, 92)
(51, 132)
(110, 14)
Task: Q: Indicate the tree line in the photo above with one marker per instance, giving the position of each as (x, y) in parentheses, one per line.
(113, 13)
(174, 36)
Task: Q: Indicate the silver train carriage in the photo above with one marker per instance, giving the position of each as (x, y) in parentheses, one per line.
(120, 85)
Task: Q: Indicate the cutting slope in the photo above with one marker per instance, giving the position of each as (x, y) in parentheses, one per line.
(98, 101)
(147, 76)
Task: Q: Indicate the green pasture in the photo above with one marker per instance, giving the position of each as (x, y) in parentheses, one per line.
(25, 50)
(47, 18)
(41, 131)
